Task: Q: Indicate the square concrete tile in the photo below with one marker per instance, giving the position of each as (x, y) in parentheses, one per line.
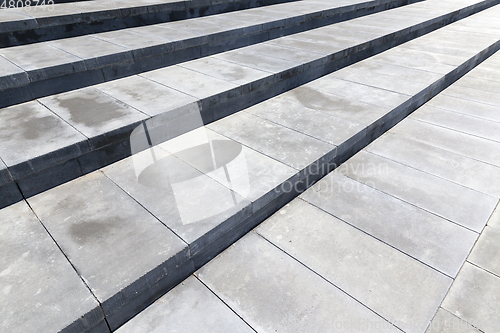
(7, 68)
(457, 168)
(471, 146)
(474, 297)
(189, 307)
(129, 39)
(479, 84)
(196, 207)
(91, 111)
(275, 51)
(451, 201)
(428, 238)
(285, 111)
(403, 290)
(249, 173)
(486, 72)
(431, 62)
(87, 47)
(359, 92)
(485, 252)
(145, 95)
(476, 109)
(445, 322)
(40, 290)
(110, 239)
(189, 82)
(273, 292)
(30, 130)
(287, 146)
(483, 128)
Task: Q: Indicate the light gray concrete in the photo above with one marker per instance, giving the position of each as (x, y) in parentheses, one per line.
(485, 252)
(464, 170)
(91, 111)
(286, 110)
(359, 92)
(273, 292)
(109, 238)
(479, 84)
(189, 307)
(247, 172)
(460, 122)
(445, 322)
(40, 291)
(460, 143)
(196, 207)
(30, 130)
(474, 297)
(145, 95)
(287, 146)
(457, 203)
(189, 82)
(387, 281)
(476, 109)
(432, 240)
(472, 94)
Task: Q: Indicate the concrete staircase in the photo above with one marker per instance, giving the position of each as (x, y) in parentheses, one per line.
(131, 157)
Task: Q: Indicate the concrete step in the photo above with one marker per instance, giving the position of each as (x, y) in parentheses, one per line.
(92, 127)
(73, 63)
(136, 228)
(59, 19)
(375, 245)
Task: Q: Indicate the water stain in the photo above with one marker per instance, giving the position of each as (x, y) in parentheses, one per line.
(87, 231)
(316, 100)
(92, 109)
(35, 128)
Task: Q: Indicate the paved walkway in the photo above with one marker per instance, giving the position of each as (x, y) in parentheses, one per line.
(403, 232)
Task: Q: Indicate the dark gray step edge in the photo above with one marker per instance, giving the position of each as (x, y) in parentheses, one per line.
(26, 86)
(137, 296)
(34, 30)
(47, 171)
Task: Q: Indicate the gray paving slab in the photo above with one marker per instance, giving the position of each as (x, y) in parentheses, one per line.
(91, 111)
(41, 292)
(359, 92)
(474, 297)
(379, 80)
(247, 172)
(490, 73)
(225, 70)
(346, 257)
(494, 221)
(459, 122)
(129, 39)
(196, 207)
(273, 292)
(285, 111)
(479, 84)
(445, 322)
(30, 130)
(16, 74)
(189, 307)
(283, 144)
(110, 239)
(430, 239)
(485, 252)
(456, 203)
(189, 82)
(145, 95)
(424, 61)
(463, 170)
(471, 146)
(49, 61)
(476, 109)
(473, 95)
